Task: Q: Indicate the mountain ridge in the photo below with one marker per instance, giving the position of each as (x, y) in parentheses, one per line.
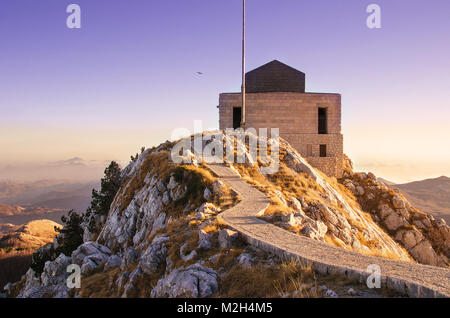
(163, 236)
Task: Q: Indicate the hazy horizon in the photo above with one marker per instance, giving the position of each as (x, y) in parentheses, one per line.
(129, 77)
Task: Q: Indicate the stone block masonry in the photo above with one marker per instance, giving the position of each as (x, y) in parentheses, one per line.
(297, 117)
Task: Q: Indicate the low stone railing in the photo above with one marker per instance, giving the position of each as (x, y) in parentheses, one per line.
(410, 279)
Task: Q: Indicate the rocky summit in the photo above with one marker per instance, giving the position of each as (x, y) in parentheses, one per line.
(163, 234)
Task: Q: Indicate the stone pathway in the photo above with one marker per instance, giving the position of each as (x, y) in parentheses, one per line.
(411, 279)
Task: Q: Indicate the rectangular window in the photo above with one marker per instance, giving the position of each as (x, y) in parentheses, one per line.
(237, 117)
(323, 150)
(323, 121)
(309, 152)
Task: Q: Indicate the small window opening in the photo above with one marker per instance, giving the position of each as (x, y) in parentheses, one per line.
(237, 117)
(323, 121)
(323, 150)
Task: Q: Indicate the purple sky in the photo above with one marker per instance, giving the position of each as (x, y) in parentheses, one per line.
(128, 77)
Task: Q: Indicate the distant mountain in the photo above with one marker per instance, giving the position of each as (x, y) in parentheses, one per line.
(7, 228)
(29, 236)
(50, 199)
(430, 195)
(386, 182)
(18, 242)
(20, 215)
(7, 210)
(47, 193)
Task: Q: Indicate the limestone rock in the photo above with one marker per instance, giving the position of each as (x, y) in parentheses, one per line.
(55, 272)
(360, 190)
(393, 222)
(218, 186)
(130, 257)
(409, 238)
(131, 285)
(245, 260)
(194, 281)
(424, 253)
(204, 241)
(155, 255)
(296, 205)
(113, 262)
(187, 257)
(315, 231)
(226, 237)
(89, 249)
(172, 183)
(166, 198)
(207, 194)
(398, 202)
(291, 220)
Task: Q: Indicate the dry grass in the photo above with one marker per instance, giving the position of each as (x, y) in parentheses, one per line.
(286, 181)
(153, 163)
(332, 241)
(99, 285)
(287, 279)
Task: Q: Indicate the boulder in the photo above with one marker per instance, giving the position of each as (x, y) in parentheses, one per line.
(155, 255)
(245, 260)
(194, 281)
(296, 205)
(291, 220)
(204, 240)
(316, 231)
(424, 253)
(409, 238)
(351, 187)
(393, 222)
(384, 210)
(218, 187)
(172, 183)
(207, 194)
(88, 249)
(226, 238)
(113, 262)
(31, 283)
(130, 257)
(208, 208)
(398, 202)
(55, 272)
(360, 191)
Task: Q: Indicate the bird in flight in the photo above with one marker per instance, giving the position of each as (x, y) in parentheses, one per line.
(199, 73)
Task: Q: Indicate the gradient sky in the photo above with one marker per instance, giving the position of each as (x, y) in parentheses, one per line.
(127, 78)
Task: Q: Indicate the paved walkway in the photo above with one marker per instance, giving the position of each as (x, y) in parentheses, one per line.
(412, 279)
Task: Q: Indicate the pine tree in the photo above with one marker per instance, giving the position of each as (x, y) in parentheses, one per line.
(110, 184)
(71, 234)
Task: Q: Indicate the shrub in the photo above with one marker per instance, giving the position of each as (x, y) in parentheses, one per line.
(110, 184)
(71, 235)
(42, 255)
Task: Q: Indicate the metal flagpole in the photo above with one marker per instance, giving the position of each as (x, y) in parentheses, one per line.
(243, 65)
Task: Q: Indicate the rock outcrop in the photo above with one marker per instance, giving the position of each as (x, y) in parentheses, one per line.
(162, 236)
(426, 239)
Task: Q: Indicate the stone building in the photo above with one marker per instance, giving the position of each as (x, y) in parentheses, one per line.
(276, 98)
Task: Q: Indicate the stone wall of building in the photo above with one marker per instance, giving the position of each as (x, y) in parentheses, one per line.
(296, 116)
